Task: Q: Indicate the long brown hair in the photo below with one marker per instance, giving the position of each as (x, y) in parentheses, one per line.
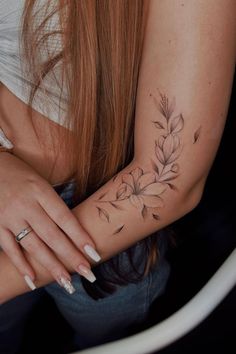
(99, 61)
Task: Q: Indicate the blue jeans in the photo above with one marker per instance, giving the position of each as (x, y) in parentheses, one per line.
(94, 321)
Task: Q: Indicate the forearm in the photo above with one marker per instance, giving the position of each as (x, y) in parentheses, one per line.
(116, 221)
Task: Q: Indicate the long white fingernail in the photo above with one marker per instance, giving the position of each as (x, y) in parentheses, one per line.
(30, 282)
(91, 252)
(67, 285)
(86, 272)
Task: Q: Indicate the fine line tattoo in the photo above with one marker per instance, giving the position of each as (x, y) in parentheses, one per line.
(197, 134)
(144, 189)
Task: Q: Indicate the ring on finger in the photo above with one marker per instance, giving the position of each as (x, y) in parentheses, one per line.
(23, 233)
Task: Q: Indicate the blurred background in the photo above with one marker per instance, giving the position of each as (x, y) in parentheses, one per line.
(204, 239)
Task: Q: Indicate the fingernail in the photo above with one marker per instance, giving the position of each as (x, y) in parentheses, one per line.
(67, 285)
(30, 282)
(87, 273)
(91, 252)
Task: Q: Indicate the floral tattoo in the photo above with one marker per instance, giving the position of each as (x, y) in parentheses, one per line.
(142, 189)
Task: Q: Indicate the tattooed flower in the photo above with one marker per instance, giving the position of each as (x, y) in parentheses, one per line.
(141, 189)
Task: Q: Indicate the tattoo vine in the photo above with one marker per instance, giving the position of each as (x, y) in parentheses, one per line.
(144, 189)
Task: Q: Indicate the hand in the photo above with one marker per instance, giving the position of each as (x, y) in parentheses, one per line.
(27, 199)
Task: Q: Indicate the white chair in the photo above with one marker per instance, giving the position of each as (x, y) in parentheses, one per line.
(183, 321)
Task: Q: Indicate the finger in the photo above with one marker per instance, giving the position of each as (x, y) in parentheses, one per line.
(52, 235)
(42, 254)
(60, 213)
(14, 252)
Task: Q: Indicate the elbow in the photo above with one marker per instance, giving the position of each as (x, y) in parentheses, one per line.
(192, 197)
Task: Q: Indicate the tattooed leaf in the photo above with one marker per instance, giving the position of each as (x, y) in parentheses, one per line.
(144, 212)
(173, 157)
(103, 214)
(175, 168)
(176, 124)
(196, 135)
(116, 206)
(156, 216)
(158, 125)
(114, 178)
(171, 178)
(161, 141)
(121, 192)
(118, 230)
(167, 177)
(172, 186)
(159, 154)
(168, 147)
(102, 195)
(176, 141)
(154, 166)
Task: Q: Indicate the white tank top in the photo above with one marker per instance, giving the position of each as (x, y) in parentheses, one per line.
(11, 74)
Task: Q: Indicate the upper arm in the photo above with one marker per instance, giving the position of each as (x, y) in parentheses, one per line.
(184, 87)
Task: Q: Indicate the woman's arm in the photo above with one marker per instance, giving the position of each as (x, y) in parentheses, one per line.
(183, 95)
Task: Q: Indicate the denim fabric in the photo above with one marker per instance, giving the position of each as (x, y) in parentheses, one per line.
(94, 321)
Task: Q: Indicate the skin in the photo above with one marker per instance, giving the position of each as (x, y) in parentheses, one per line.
(183, 94)
(26, 145)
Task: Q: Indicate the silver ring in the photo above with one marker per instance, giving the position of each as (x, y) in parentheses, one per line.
(23, 233)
